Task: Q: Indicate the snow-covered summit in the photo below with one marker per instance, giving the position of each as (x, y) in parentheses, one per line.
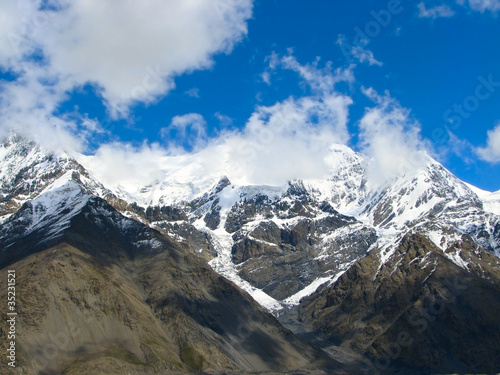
(27, 170)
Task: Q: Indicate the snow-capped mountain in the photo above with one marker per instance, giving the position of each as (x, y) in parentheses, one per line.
(279, 243)
(122, 296)
(26, 171)
(255, 228)
(308, 251)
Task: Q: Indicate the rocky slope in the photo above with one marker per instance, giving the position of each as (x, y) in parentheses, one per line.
(413, 306)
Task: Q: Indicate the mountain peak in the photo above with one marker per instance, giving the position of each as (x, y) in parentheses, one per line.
(27, 170)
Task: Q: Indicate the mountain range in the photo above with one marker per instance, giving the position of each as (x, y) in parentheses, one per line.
(199, 272)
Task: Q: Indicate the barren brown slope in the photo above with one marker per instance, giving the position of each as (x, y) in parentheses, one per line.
(418, 313)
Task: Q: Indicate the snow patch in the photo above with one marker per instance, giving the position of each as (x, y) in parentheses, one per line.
(223, 244)
(457, 259)
(294, 300)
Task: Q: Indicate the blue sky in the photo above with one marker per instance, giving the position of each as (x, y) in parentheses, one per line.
(181, 76)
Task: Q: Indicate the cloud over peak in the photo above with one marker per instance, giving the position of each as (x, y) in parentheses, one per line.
(391, 138)
(287, 140)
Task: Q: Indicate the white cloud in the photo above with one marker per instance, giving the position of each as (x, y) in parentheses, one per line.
(18, 27)
(131, 51)
(491, 153)
(287, 140)
(26, 106)
(364, 55)
(482, 5)
(322, 81)
(391, 138)
(291, 138)
(266, 77)
(439, 11)
(119, 164)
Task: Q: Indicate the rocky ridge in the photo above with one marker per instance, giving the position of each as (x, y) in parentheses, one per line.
(107, 294)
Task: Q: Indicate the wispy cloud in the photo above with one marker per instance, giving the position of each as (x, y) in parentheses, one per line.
(357, 52)
(273, 61)
(364, 55)
(458, 147)
(322, 81)
(482, 5)
(194, 92)
(266, 77)
(224, 120)
(189, 129)
(440, 11)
